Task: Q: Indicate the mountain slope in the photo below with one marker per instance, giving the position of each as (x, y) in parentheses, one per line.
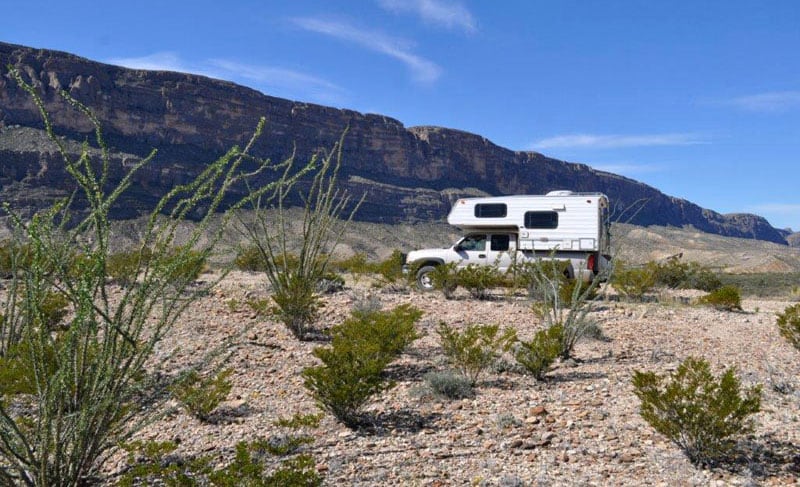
(407, 174)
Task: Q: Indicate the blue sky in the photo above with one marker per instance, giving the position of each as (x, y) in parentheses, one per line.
(698, 99)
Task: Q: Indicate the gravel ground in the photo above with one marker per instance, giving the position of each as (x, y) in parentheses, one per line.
(581, 426)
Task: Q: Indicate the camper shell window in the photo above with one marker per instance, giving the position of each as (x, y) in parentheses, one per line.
(541, 219)
(490, 210)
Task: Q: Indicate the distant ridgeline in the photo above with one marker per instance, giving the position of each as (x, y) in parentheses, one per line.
(407, 174)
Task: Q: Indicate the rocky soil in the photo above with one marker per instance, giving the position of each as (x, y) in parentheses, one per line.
(581, 426)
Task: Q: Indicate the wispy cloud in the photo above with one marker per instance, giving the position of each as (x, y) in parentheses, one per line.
(452, 15)
(422, 70)
(614, 141)
(776, 101)
(158, 61)
(272, 80)
(279, 78)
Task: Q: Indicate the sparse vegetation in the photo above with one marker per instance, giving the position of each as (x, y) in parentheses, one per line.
(726, 298)
(295, 283)
(449, 385)
(538, 354)
(80, 375)
(352, 367)
(698, 412)
(474, 349)
(676, 274)
(478, 279)
(156, 463)
(632, 282)
(201, 396)
(445, 278)
(789, 325)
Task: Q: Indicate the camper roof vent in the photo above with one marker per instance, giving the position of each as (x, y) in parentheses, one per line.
(559, 193)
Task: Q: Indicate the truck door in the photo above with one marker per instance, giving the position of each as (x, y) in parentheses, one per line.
(472, 250)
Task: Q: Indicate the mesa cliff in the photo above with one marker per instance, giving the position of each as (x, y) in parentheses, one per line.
(406, 174)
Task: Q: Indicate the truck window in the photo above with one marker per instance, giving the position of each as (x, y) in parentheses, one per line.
(541, 219)
(499, 243)
(473, 242)
(490, 210)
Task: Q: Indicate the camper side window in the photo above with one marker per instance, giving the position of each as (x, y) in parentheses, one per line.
(541, 219)
(490, 210)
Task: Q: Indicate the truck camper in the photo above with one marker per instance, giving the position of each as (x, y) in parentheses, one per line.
(502, 230)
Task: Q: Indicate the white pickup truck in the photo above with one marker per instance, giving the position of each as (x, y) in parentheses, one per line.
(502, 230)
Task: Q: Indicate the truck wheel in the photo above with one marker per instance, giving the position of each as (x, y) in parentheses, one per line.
(424, 281)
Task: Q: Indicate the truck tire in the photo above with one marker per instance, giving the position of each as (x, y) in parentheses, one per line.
(424, 281)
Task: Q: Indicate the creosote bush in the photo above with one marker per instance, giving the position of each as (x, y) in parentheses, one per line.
(352, 366)
(201, 396)
(675, 274)
(789, 325)
(478, 279)
(155, 463)
(698, 412)
(726, 298)
(632, 282)
(474, 349)
(538, 354)
(249, 258)
(445, 278)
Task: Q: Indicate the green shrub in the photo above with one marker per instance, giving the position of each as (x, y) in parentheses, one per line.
(201, 396)
(183, 265)
(52, 310)
(539, 354)
(296, 303)
(479, 279)
(698, 412)
(702, 278)
(449, 385)
(726, 298)
(24, 364)
(789, 325)
(632, 282)
(14, 256)
(124, 267)
(544, 278)
(86, 398)
(675, 274)
(355, 264)
(391, 269)
(575, 288)
(393, 330)
(250, 258)
(445, 278)
(262, 307)
(154, 463)
(361, 348)
(474, 349)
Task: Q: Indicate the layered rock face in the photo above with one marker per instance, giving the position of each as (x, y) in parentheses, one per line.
(406, 174)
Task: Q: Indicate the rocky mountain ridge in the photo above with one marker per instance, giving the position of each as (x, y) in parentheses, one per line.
(406, 174)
